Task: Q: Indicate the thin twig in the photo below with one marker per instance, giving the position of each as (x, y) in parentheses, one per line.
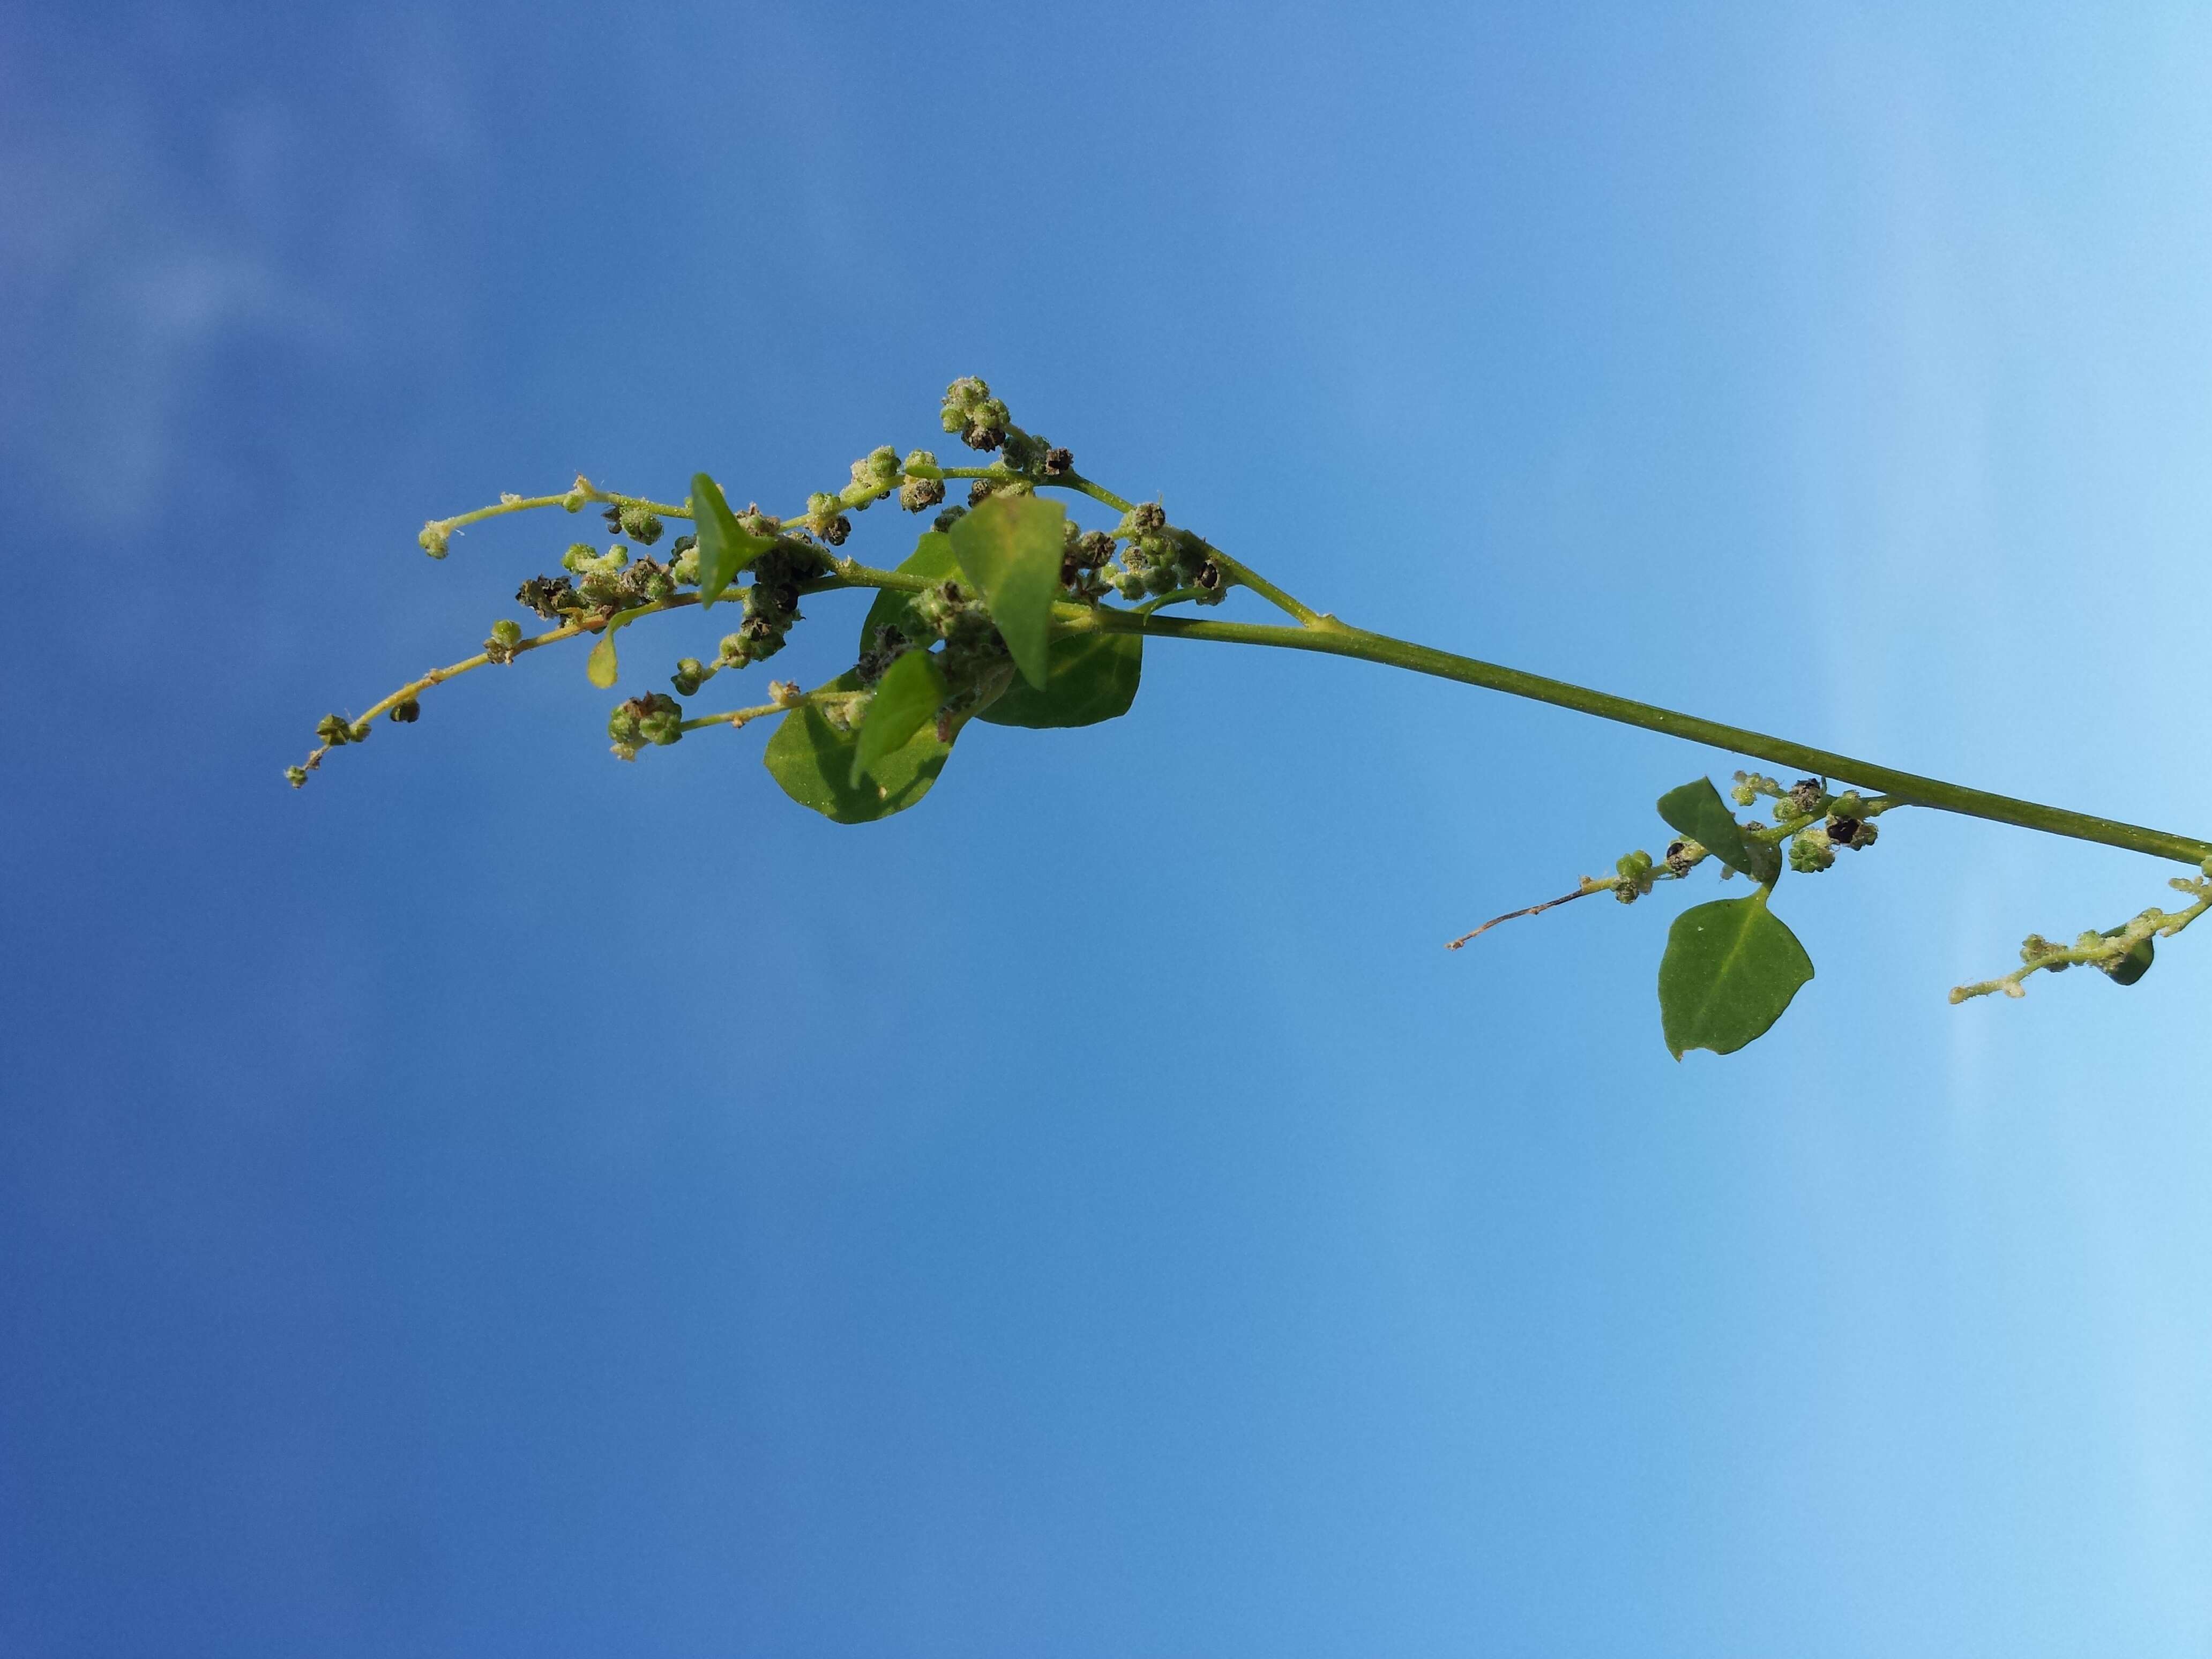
(1583, 891)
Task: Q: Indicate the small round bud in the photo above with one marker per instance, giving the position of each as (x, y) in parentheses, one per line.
(506, 631)
(296, 776)
(950, 516)
(407, 713)
(434, 539)
(1810, 852)
(1059, 462)
(919, 494)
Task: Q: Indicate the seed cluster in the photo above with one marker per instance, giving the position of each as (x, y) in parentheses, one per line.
(1144, 557)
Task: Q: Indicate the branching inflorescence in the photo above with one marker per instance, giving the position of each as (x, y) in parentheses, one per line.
(1009, 612)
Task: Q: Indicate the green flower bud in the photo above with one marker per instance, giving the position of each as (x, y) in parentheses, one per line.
(296, 776)
(433, 540)
(1810, 852)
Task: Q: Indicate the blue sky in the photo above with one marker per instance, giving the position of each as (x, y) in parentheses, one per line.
(498, 1201)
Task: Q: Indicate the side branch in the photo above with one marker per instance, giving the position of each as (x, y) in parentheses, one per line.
(1909, 787)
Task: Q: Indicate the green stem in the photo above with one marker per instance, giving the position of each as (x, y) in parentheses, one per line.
(1336, 640)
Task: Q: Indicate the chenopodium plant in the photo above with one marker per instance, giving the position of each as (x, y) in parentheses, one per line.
(1009, 612)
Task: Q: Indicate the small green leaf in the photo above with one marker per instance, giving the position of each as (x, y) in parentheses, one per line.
(2134, 965)
(813, 761)
(601, 667)
(725, 547)
(1731, 968)
(1697, 810)
(932, 560)
(906, 698)
(1093, 677)
(1010, 548)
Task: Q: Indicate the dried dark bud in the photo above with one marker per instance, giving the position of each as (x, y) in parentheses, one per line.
(836, 529)
(1846, 832)
(919, 494)
(947, 518)
(1678, 858)
(1059, 462)
(545, 594)
(1805, 797)
(407, 713)
(979, 491)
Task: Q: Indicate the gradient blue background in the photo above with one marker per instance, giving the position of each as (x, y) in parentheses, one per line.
(501, 1201)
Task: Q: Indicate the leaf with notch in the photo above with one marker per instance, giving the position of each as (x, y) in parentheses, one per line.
(1011, 547)
(906, 699)
(813, 761)
(1697, 810)
(1731, 968)
(1093, 677)
(725, 547)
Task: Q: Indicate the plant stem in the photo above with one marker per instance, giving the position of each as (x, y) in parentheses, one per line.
(1335, 639)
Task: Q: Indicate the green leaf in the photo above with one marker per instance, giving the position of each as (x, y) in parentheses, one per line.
(1010, 548)
(725, 547)
(812, 760)
(932, 560)
(1697, 810)
(2134, 965)
(601, 667)
(1731, 968)
(1093, 677)
(906, 699)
